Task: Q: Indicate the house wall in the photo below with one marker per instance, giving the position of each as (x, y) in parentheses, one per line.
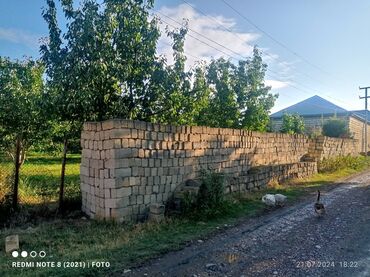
(357, 130)
(313, 124)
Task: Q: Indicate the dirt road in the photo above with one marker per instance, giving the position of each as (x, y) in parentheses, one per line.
(287, 242)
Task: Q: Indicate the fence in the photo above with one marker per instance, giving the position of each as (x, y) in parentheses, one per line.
(38, 186)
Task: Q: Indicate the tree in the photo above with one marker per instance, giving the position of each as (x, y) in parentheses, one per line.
(223, 107)
(253, 97)
(105, 66)
(336, 128)
(292, 124)
(21, 117)
(238, 97)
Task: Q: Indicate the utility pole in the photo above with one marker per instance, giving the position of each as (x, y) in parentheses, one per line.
(365, 97)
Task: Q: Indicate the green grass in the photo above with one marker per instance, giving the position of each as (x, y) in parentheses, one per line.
(126, 245)
(40, 177)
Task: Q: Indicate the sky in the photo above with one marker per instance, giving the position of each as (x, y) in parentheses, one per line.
(311, 47)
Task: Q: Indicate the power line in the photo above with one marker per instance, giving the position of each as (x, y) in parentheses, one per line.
(268, 75)
(274, 39)
(223, 46)
(242, 40)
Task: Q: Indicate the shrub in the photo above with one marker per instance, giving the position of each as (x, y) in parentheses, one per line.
(211, 191)
(342, 162)
(336, 128)
(292, 124)
(209, 201)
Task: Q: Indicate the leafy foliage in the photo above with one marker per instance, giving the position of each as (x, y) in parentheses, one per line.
(20, 110)
(336, 128)
(210, 199)
(238, 97)
(342, 162)
(292, 124)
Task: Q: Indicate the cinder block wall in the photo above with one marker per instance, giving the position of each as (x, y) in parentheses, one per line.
(326, 147)
(127, 165)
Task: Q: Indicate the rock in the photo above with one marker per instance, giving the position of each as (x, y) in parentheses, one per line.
(275, 273)
(318, 246)
(11, 243)
(211, 266)
(200, 241)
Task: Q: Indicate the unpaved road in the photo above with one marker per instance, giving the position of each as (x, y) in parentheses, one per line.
(287, 242)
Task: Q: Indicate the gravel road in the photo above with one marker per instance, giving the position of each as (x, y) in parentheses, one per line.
(287, 242)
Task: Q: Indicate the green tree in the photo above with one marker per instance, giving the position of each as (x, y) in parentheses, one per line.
(222, 110)
(336, 128)
(292, 124)
(105, 65)
(21, 117)
(237, 97)
(254, 98)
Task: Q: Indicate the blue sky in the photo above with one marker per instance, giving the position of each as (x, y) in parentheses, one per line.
(329, 37)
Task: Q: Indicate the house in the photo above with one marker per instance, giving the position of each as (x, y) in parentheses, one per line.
(316, 110)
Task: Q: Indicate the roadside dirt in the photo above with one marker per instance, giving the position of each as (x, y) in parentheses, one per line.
(291, 241)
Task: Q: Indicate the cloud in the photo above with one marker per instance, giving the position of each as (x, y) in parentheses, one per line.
(212, 30)
(19, 37)
(275, 84)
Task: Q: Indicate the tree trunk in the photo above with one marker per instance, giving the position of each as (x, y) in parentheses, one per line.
(62, 177)
(17, 166)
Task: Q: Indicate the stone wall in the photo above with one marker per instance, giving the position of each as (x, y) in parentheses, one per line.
(326, 147)
(127, 165)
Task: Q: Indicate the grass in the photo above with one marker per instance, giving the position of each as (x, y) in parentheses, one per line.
(124, 246)
(40, 177)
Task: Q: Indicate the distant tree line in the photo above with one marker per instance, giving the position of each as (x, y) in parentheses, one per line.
(105, 65)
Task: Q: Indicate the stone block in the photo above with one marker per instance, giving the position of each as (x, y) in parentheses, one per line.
(124, 191)
(157, 208)
(156, 217)
(11, 243)
(120, 133)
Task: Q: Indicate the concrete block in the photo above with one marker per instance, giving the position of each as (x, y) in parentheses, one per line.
(157, 208)
(11, 243)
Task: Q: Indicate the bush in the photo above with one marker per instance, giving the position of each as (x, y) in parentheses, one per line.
(342, 162)
(209, 201)
(292, 124)
(211, 191)
(336, 128)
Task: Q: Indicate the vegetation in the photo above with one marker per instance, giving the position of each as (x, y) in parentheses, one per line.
(292, 124)
(21, 117)
(38, 187)
(105, 65)
(336, 128)
(210, 198)
(342, 162)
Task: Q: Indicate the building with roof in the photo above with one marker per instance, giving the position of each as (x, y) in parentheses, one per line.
(316, 110)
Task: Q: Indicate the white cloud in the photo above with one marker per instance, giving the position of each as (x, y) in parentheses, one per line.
(275, 84)
(19, 36)
(239, 43)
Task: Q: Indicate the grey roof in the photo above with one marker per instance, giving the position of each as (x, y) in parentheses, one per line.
(361, 114)
(314, 105)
